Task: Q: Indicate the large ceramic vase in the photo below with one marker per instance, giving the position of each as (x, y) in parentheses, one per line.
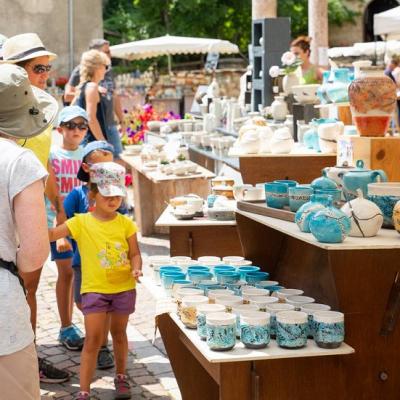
(372, 101)
(289, 81)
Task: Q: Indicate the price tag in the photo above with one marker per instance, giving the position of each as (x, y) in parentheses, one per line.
(344, 152)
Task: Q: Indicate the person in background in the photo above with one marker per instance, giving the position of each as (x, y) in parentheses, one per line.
(27, 51)
(25, 112)
(311, 73)
(111, 265)
(107, 92)
(66, 161)
(78, 202)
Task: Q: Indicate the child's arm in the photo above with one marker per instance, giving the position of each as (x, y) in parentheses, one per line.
(135, 257)
(60, 231)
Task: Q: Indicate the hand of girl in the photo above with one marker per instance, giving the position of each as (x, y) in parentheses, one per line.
(137, 273)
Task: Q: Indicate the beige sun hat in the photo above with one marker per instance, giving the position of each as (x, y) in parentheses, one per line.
(24, 47)
(25, 110)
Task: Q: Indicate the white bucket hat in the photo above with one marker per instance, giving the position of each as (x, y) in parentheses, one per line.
(25, 110)
(24, 47)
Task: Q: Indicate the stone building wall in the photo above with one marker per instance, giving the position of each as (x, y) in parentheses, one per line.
(49, 19)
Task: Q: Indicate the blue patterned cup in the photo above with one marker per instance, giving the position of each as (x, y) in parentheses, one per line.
(335, 193)
(299, 195)
(276, 195)
(168, 278)
(240, 310)
(273, 309)
(329, 329)
(201, 311)
(209, 284)
(244, 270)
(221, 331)
(188, 310)
(225, 277)
(266, 284)
(310, 309)
(199, 275)
(255, 329)
(197, 268)
(253, 277)
(291, 329)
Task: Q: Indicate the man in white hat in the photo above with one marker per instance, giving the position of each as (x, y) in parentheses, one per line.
(25, 112)
(28, 51)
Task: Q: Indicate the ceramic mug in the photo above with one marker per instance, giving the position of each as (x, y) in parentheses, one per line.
(291, 329)
(253, 194)
(329, 329)
(238, 191)
(255, 329)
(276, 195)
(299, 195)
(221, 331)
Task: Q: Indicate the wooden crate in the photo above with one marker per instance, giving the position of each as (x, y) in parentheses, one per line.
(376, 153)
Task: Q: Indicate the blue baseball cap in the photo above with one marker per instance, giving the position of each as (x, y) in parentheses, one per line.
(89, 148)
(71, 112)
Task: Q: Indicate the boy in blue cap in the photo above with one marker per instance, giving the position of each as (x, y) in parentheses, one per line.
(78, 202)
(65, 161)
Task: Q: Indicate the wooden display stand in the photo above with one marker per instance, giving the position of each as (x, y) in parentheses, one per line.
(200, 236)
(375, 152)
(359, 277)
(151, 190)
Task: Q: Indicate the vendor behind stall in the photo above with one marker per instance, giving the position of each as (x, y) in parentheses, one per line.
(311, 73)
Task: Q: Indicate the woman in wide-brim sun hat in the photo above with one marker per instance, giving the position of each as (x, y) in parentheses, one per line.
(28, 51)
(25, 111)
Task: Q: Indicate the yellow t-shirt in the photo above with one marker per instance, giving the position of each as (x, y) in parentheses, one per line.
(40, 145)
(103, 247)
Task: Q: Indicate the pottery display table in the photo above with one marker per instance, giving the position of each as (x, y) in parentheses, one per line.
(238, 374)
(200, 236)
(301, 165)
(152, 189)
(360, 277)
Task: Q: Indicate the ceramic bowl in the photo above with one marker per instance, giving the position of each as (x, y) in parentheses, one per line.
(385, 195)
(257, 276)
(207, 259)
(168, 278)
(198, 268)
(238, 264)
(283, 294)
(262, 301)
(243, 270)
(185, 291)
(306, 94)
(299, 301)
(178, 284)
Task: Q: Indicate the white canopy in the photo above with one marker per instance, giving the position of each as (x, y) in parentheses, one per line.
(387, 22)
(169, 45)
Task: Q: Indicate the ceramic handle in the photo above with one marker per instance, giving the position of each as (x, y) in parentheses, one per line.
(381, 174)
(325, 172)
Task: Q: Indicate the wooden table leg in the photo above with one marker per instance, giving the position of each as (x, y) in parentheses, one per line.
(142, 194)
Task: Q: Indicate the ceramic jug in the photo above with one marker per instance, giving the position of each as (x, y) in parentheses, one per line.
(359, 178)
(279, 109)
(330, 225)
(336, 173)
(365, 216)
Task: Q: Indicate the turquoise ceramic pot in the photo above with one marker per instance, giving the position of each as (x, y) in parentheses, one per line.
(330, 225)
(225, 277)
(168, 279)
(323, 183)
(257, 276)
(335, 193)
(338, 91)
(310, 138)
(299, 195)
(307, 210)
(321, 92)
(244, 270)
(276, 195)
(359, 178)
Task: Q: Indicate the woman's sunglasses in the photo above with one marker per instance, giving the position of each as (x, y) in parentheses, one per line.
(73, 125)
(41, 68)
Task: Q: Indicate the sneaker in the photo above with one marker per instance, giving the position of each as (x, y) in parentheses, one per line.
(71, 337)
(122, 387)
(105, 359)
(48, 373)
(82, 396)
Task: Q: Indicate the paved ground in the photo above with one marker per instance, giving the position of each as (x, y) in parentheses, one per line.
(148, 366)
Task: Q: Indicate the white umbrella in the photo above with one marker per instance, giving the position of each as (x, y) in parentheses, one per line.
(387, 22)
(169, 45)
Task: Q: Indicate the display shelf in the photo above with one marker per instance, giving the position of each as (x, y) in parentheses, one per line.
(386, 238)
(298, 151)
(226, 132)
(233, 162)
(240, 353)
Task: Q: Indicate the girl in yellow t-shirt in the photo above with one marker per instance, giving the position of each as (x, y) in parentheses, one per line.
(111, 265)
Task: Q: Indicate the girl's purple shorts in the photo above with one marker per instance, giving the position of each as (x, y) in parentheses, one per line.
(119, 303)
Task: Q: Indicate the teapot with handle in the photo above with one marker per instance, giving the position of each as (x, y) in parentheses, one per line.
(359, 178)
(336, 173)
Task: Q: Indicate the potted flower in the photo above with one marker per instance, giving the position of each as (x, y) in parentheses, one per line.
(290, 63)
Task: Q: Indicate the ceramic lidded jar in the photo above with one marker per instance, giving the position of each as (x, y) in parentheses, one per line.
(279, 109)
(307, 210)
(282, 142)
(365, 217)
(330, 225)
(373, 102)
(221, 331)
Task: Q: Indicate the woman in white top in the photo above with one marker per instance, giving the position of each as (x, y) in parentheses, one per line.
(25, 111)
